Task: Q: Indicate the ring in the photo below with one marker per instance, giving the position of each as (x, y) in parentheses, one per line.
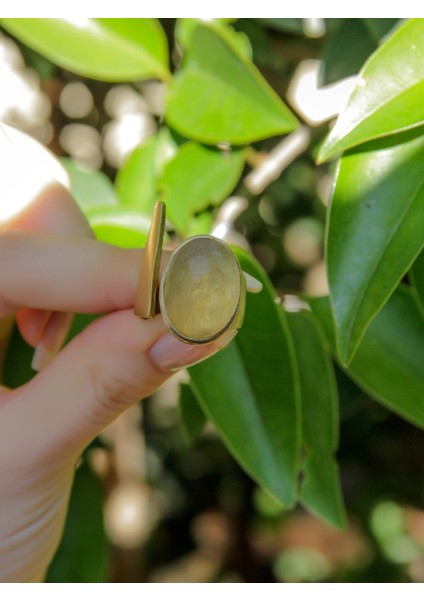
(202, 290)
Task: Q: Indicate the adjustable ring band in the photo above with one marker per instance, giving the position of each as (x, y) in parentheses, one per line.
(146, 296)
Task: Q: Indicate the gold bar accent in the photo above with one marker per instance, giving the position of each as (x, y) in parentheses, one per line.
(145, 301)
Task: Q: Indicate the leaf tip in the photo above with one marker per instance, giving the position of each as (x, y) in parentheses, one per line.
(346, 349)
(326, 150)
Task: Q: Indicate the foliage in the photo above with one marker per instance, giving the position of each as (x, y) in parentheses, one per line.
(273, 393)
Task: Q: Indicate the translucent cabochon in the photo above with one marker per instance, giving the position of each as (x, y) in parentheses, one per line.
(201, 289)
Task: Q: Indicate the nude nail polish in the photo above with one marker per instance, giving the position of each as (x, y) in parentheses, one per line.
(170, 354)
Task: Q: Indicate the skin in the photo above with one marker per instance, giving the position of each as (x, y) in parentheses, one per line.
(51, 267)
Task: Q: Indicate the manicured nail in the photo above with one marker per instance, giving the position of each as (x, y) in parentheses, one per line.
(42, 357)
(54, 337)
(252, 284)
(169, 354)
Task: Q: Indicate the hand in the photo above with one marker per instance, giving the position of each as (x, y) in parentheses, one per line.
(113, 363)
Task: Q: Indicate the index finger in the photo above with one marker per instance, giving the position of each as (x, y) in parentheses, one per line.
(65, 273)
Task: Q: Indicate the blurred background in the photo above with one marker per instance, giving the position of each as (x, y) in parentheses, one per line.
(150, 502)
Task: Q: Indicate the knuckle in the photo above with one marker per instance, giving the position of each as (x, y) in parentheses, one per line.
(112, 395)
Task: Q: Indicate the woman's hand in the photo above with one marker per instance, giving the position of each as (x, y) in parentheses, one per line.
(51, 267)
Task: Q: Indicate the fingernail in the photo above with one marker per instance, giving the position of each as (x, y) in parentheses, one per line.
(42, 357)
(169, 354)
(54, 337)
(252, 284)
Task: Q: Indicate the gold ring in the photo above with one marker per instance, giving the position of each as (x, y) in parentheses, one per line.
(202, 291)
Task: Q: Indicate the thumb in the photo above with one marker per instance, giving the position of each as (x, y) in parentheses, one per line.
(116, 361)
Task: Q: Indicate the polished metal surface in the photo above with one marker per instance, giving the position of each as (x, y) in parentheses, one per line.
(146, 297)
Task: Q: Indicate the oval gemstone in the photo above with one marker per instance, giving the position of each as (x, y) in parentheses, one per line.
(200, 290)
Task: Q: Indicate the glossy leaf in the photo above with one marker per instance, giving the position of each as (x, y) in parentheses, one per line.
(185, 27)
(90, 189)
(105, 49)
(417, 273)
(389, 361)
(261, 42)
(136, 181)
(375, 231)
(219, 96)
(320, 486)
(362, 34)
(250, 392)
(380, 28)
(388, 96)
(40, 64)
(119, 226)
(201, 224)
(192, 417)
(83, 554)
(195, 178)
(111, 221)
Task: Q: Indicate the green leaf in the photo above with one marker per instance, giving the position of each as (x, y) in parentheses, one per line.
(388, 364)
(43, 67)
(111, 222)
(291, 26)
(196, 177)
(185, 27)
(17, 365)
(250, 392)
(136, 181)
(193, 419)
(90, 189)
(104, 49)
(379, 28)
(388, 96)
(375, 231)
(320, 487)
(201, 224)
(83, 554)
(119, 226)
(339, 61)
(219, 96)
(417, 273)
(261, 43)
